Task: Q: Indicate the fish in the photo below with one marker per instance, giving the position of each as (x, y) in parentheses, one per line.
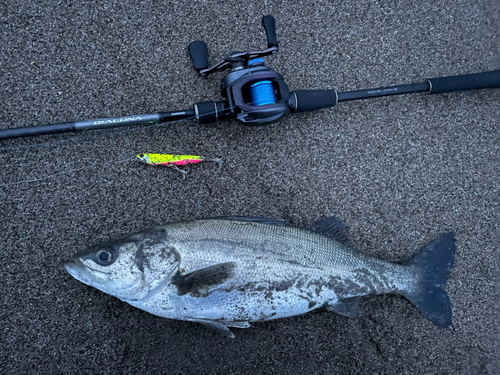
(234, 271)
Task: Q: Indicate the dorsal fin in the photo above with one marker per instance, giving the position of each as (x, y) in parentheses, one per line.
(331, 227)
(195, 282)
(262, 220)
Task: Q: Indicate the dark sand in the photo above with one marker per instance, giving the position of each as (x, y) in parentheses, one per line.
(399, 171)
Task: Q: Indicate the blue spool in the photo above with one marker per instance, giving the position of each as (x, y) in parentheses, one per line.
(258, 60)
(262, 93)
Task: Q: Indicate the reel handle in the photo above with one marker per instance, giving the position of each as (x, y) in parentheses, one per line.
(199, 54)
(270, 26)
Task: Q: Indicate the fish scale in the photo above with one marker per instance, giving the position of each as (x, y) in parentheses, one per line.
(230, 272)
(268, 258)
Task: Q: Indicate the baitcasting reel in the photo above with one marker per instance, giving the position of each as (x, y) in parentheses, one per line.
(257, 95)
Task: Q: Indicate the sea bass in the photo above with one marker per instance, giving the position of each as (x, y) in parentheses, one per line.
(229, 272)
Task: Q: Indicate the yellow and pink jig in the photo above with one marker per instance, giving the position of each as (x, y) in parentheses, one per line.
(175, 161)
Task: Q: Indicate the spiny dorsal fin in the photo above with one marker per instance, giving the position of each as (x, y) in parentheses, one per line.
(331, 227)
(262, 220)
(195, 282)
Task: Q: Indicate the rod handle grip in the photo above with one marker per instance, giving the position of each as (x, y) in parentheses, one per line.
(486, 80)
(270, 26)
(312, 100)
(199, 54)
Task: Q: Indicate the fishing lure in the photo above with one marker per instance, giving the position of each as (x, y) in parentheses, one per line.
(170, 160)
(175, 161)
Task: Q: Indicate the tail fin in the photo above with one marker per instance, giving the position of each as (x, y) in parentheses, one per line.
(434, 261)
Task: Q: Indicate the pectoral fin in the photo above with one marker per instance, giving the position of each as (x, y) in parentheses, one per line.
(197, 281)
(347, 307)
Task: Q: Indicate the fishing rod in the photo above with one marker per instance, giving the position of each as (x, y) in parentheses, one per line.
(256, 95)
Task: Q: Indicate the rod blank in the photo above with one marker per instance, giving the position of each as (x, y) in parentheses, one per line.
(105, 123)
(304, 100)
(37, 130)
(383, 91)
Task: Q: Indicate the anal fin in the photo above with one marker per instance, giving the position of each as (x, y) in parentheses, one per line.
(238, 324)
(218, 327)
(347, 307)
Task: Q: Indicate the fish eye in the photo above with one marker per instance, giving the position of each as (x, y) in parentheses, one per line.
(104, 256)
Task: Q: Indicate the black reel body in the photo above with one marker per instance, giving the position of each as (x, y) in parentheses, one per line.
(255, 94)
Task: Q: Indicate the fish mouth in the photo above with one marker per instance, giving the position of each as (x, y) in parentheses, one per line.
(81, 272)
(73, 267)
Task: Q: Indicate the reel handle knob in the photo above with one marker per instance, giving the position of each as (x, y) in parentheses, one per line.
(270, 27)
(199, 54)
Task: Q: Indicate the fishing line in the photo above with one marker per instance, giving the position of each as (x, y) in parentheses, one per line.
(77, 139)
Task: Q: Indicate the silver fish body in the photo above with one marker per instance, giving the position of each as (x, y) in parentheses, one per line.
(231, 272)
